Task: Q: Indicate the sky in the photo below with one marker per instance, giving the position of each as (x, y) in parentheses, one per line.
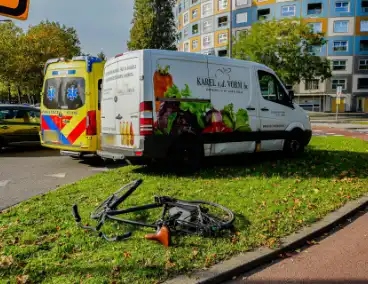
(101, 25)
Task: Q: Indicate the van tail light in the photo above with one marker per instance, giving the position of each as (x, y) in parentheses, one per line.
(146, 118)
(91, 128)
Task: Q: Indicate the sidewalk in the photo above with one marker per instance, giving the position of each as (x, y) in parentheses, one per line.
(341, 257)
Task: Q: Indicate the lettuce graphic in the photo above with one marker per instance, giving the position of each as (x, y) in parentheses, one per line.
(228, 116)
(170, 121)
(242, 121)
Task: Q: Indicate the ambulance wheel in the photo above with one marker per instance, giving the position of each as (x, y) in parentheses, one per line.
(186, 154)
(294, 146)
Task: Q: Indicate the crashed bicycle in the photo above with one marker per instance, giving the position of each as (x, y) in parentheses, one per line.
(178, 217)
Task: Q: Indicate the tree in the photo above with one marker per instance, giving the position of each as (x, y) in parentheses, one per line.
(102, 56)
(285, 46)
(153, 25)
(9, 50)
(42, 42)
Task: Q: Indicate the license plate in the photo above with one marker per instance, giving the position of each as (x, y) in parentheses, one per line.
(109, 139)
(51, 136)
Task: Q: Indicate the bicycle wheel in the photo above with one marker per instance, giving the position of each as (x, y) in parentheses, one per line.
(199, 217)
(115, 199)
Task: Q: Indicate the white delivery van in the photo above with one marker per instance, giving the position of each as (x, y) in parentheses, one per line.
(183, 106)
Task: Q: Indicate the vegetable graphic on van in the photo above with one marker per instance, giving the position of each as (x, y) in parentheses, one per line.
(162, 80)
(178, 117)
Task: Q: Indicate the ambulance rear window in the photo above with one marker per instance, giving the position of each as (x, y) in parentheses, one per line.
(64, 93)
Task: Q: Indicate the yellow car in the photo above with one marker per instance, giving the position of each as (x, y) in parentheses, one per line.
(19, 123)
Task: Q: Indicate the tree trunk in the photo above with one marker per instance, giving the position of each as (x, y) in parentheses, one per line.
(19, 95)
(9, 93)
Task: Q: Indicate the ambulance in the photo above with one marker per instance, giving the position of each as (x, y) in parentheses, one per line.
(181, 107)
(71, 103)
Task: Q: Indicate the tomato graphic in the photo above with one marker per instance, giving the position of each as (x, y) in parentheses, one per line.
(162, 80)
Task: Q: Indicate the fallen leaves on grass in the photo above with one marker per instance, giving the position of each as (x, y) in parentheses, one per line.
(127, 254)
(6, 261)
(22, 279)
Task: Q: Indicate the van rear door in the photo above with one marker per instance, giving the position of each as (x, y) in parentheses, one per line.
(121, 102)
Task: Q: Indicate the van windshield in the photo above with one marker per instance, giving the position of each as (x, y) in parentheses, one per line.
(64, 93)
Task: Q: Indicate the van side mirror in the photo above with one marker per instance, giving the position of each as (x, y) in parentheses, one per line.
(291, 95)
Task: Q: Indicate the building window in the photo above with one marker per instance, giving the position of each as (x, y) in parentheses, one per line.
(316, 27)
(338, 82)
(222, 38)
(179, 6)
(338, 65)
(186, 47)
(287, 11)
(207, 26)
(342, 6)
(241, 3)
(363, 64)
(186, 18)
(222, 4)
(207, 9)
(222, 21)
(238, 34)
(340, 45)
(364, 26)
(241, 18)
(341, 26)
(180, 36)
(362, 83)
(263, 14)
(311, 84)
(186, 32)
(365, 6)
(194, 14)
(314, 8)
(194, 44)
(195, 29)
(206, 42)
(363, 45)
(195, 2)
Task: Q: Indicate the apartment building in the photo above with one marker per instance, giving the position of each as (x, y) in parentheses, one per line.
(204, 27)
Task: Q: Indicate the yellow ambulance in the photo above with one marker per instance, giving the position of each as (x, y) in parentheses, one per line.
(70, 107)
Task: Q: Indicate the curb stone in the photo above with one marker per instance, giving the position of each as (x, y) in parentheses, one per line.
(246, 262)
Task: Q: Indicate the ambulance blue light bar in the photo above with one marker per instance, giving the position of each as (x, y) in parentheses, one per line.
(89, 60)
(64, 72)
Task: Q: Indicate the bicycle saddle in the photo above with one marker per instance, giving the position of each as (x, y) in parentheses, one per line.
(163, 236)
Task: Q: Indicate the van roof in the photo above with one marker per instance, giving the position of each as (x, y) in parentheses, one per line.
(224, 60)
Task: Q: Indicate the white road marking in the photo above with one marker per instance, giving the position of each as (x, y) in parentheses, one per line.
(60, 175)
(4, 183)
(330, 133)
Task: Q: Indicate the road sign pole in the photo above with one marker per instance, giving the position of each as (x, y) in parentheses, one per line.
(338, 96)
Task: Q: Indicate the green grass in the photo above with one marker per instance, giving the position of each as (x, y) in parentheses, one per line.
(271, 196)
(360, 122)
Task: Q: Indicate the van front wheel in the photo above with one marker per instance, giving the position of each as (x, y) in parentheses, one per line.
(294, 146)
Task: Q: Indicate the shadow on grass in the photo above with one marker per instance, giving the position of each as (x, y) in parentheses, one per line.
(313, 163)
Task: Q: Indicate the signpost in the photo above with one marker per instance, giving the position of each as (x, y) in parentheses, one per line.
(338, 99)
(17, 9)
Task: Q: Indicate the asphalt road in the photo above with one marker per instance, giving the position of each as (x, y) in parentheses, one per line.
(340, 258)
(32, 170)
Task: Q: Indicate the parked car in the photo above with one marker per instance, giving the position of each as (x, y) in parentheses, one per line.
(163, 104)
(19, 123)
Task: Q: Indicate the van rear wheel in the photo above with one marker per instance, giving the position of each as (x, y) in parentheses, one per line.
(186, 155)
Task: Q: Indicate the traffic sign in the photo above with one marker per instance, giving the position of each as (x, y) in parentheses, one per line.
(17, 9)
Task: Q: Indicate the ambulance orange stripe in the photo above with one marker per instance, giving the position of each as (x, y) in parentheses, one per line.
(74, 135)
